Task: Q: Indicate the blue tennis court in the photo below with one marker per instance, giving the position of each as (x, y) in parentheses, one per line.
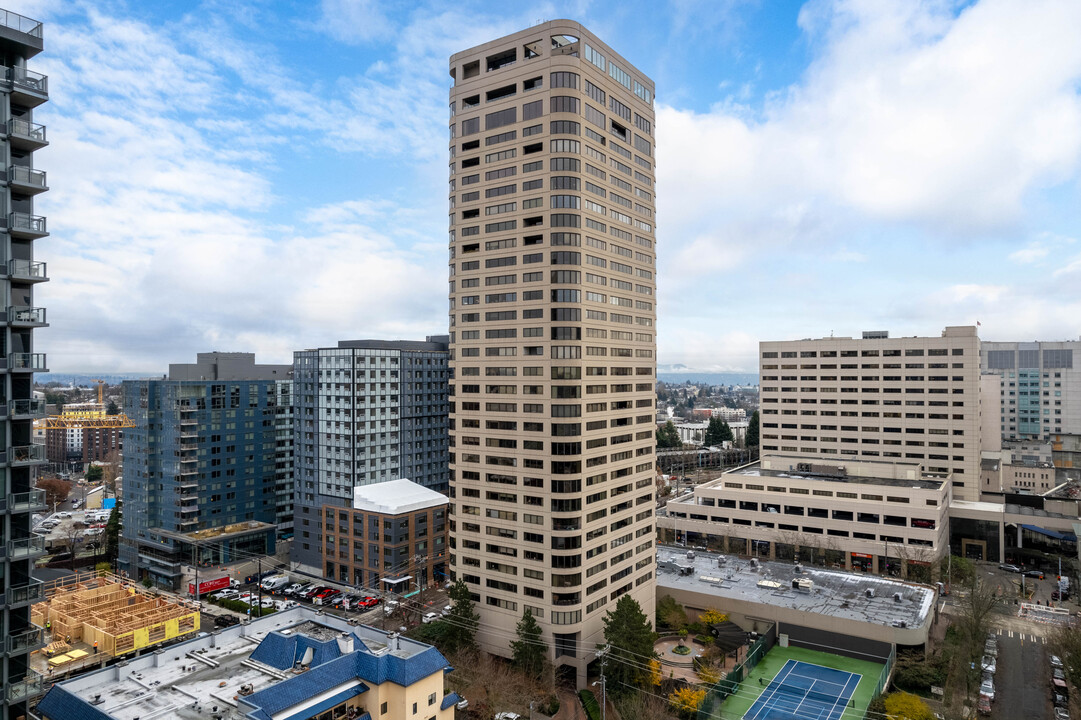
(802, 691)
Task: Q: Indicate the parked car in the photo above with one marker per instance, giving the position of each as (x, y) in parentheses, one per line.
(368, 602)
(447, 610)
(1038, 574)
(63, 514)
(987, 689)
(1058, 682)
(313, 591)
(990, 649)
(267, 602)
(1062, 713)
(507, 715)
(983, 705)
(390, 606)
(1009, 568)
(1059, 700)
(326, 597)
(224, 594)
(247, 597)
(988, 664)
(285, 604)
(462, 703)
(291, 590)
(1056, 661)
(226, 620)
(431, 617)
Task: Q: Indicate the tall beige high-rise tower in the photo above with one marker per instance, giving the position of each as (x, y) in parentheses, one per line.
(553, 337)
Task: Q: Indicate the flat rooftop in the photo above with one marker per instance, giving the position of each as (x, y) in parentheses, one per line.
(834, 593)
(755, 470)
(394, 497)
(201, 678)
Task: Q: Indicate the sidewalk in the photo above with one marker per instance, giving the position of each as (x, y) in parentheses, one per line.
(570, 707)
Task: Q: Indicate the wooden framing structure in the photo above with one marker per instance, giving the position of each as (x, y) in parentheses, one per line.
(112, 612)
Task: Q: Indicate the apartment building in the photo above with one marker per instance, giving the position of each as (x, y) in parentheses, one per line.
(24, 90)
(1039, 387)
(394, 537)
(552, 315)
(366, 412)
(874, 436)
(201, 477)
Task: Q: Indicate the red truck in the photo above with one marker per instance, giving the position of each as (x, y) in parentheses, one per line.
(207, 586)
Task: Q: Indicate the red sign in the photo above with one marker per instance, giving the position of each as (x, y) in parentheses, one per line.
(861, 555)
(209, 585)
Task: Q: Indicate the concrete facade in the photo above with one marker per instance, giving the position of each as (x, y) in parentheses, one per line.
(1040, 387)
(23, 90)
(552, 315)
(366, 411)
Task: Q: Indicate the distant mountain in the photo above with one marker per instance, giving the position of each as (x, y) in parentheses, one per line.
(669, 374)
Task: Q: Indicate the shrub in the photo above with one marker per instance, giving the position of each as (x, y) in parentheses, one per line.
(589, 702)
(550, 706)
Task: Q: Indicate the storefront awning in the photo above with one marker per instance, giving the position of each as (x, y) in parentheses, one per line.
(1069, 537)
(395, 581)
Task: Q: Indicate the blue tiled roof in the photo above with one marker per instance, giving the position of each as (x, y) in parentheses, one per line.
(399, 671)
(287, 693)
(449, 700)
(59, 704)
(336, 699)
(283, 651)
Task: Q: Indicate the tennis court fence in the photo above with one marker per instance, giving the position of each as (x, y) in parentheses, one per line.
(729, 682)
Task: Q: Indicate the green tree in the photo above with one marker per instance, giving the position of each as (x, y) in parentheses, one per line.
(94, 473)
(712, 432)
(462, 621)
(752, 431)
(112, 409)
(668, 436)
(630, 638)
(670, 613)
(112, 535)
(724, 432)
(529, 650)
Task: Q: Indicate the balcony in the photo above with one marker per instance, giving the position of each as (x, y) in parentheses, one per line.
(25, 689)
(23, 316)
(26, 226)
(26, 548)
(27, 362)
(25, 594)
(25, 135)
(32, 501)
(28, 88)
(25, 642)
(27, 271)
(20, 23)
(26, 454)
(26, 181)
(26, 409)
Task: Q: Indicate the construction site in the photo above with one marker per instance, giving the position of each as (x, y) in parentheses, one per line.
(92, 617)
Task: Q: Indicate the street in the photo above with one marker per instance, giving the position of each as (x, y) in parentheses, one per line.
(1021, 681)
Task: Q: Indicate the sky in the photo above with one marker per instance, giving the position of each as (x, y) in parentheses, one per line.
(261, 176)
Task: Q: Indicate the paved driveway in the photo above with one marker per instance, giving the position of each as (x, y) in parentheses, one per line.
(1021, 681)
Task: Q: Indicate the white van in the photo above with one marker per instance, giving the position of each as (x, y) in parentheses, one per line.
(275, 582)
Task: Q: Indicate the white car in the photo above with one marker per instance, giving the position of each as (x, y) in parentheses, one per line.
(430, 617)
(224, 594)
(447, 610)
(63, 514)
(987, 687)
(507, 715)
(281, 605)
(988, 664)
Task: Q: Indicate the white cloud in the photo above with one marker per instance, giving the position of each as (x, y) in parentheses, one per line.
(1031, 253)
(907, 114)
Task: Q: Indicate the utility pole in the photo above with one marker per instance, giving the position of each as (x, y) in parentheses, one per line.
(602, 655)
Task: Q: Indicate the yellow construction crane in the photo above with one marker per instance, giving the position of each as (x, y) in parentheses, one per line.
(87, 416)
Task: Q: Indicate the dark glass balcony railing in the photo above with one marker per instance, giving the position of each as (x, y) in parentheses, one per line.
(26, 454)
(35, 362)
(28, 270)
(27, 501)
(23, 315)
(27, 226)
(26, 408)
(26, 547)
(21, 23)
(25, 689)
(26, 180)
(26, 135)
(25, 594)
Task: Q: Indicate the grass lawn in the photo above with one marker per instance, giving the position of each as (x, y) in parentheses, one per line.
(737, 704)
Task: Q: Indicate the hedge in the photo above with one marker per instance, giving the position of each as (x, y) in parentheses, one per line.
(589, 702)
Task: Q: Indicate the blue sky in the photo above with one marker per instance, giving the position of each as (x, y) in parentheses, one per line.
(271, 176)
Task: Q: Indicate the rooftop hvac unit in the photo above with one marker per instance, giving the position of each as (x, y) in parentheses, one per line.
(897, 597)
(870, 592)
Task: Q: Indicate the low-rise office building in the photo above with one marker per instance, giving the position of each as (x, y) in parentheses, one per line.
(393, 538)
(293, 664)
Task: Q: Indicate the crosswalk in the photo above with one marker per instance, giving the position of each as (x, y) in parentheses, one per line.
(1023, 637)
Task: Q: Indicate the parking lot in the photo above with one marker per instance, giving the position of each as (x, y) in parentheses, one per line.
(361, 604)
